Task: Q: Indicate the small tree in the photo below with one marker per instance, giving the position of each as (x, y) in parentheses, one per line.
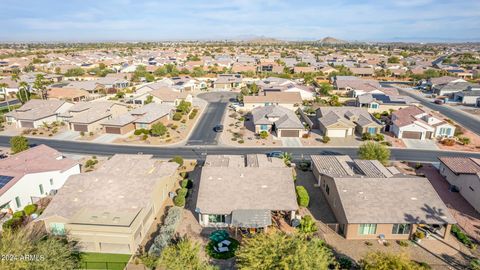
(182, 254)
(307, 225)
(18, 144)
(286, 157)
(325, 89)
(158, 129)
(184, 107)
(325, 139)
(30, 209)
(177, 116)
(263, 134)
(374, 151)
(148, 100)
(177, 159)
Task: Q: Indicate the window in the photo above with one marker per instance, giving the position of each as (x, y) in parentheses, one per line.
(365, 229)
(51, 181)
(17, 201)
(57, 228)
(263, 127)
(372, 130)
(41, 189)
(445, 131)
(216, 218)
(374, 106)
(401, 229)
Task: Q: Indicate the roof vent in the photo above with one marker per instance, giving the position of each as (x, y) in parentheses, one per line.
(75, 199)
(121, 196)
(344, 190)
(360, 192)
(241, 175)
(413, 198)
(264, 186)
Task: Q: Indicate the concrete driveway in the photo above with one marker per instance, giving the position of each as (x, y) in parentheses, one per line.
(68, 135)
(420, 144)
(106, 138)
(291, 142)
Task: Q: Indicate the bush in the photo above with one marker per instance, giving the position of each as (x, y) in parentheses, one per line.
(12, 224)
(302, 196)
(461, 236)
(167, 231)
(419, 235)
(307, 225)
(403, 243)
(186, 183)
(179, 201)
(418, 166)
(345, 263)
(241, 141)
(464, 140)
(178, 160)
(366, 136)
(158, 129)
(30, 209)
(193, 114)
(184, 175)
(448, 142)
(182, 192)
(374, 151)
(19, 214)
(379, 137)
(263, 134)
(475, 264)
(90, 163)
(386, 143)
(82, 133)
(325, 139)
(424, 265)
(18, 144)
(177, 116)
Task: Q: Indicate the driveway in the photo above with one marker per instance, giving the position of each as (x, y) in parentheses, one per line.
(291, 142)
(203, 133)
(420, 144)
(68, 135)
(106, 138)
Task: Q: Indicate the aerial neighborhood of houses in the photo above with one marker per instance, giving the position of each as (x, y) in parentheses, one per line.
(366, 147)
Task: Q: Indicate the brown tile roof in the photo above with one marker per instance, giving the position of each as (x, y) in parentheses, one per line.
(276, 97)
(461, 165)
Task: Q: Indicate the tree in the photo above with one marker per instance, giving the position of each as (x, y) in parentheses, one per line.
(148, 100)
(158, 129)
(393, 60)
(281, 251)
(74, 72)
(334, 101)
(325, 89)
(184, 107)
(23, 94)
(374, 151)
(40, 84)
(307, 225)
(253, 88)
(52, 252)
(18, 144)
(385, 261)
(182, 254)
(286, 157)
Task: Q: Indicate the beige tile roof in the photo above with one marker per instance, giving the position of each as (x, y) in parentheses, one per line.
(461, 165)
(275, 97)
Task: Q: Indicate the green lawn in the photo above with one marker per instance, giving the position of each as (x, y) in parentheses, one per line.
(104, 261)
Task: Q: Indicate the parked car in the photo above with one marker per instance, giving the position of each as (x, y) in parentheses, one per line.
(274, 154)
(439, 101)
(218, 128)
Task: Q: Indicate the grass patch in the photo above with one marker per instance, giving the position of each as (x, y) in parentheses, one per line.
(109, 261)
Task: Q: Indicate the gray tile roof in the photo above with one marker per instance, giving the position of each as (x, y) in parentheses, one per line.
(278, 115)
(36, 109)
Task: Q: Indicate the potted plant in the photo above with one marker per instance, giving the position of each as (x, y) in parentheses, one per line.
(418, 236)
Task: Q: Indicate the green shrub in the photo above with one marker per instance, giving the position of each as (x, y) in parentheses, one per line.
(263, 134)
(12, 224)
(307, 225)
(345, 263)
(461, 236)
(167, 231)
(366, 136)
(184, 175)
(178, 160)
(19, 214)
(475, 264)
(179, 201)
(302, 196)
(186, 183)
(182, 192)
(241, 141)
(403, 243)
(193, 114)
(379, 137)
(30, 209)
(177, 116)
(424, 265)
(386, 143)
(141, 131)
(326, 139)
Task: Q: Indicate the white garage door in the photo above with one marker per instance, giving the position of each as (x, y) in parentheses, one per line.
(336, 133)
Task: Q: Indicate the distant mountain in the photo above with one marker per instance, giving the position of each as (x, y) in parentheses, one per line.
(331, 40)
(261, 40)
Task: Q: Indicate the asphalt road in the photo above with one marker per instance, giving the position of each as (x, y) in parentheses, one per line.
(464, 120)
(203, 133)
(199, 152)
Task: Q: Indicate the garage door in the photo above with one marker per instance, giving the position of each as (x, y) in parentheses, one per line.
(336, 133)
(80, 128)
(289, 133)
(26, 124)
(411, 135)
(113, 130)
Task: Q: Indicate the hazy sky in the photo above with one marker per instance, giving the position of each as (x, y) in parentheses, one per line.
(364, 20)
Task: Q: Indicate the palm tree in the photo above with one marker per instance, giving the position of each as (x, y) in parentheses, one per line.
(286, 157)
(4, 87)
(23, 93)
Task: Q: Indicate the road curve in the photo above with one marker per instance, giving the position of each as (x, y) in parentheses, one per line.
(199, 152)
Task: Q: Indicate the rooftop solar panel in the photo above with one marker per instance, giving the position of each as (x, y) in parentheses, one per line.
(4, 179)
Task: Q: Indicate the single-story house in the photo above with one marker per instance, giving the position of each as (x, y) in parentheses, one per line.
(463, 174)
(243, 192)
(36, 112)
(89, 116)
(33, 174)
(141, 118)
(111, 209)
(340, 122)
(449, 89)
(67, 94)
(365, 205)
(414, 123)
(469, 96)
(277, 120)
(289, 100)
(228, 81)
(163, 95)
(382, 102)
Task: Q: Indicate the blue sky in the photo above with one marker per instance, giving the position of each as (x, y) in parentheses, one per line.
(130, 20)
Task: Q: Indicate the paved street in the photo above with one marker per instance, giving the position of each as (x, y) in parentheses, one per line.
(199, 152)
(456, 115)
(203, 133)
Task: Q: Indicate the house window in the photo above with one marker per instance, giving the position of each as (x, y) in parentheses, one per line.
(216, 218)
(57, 228)
(40, 187)
(445, 131)
(372, 130)
(365, 229)
(263, 127)
(374, 106)
(401, 229)
(51, 181)
(17, 201)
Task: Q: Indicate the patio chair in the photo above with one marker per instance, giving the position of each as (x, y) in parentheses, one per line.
(222, 249)
(225, 242)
